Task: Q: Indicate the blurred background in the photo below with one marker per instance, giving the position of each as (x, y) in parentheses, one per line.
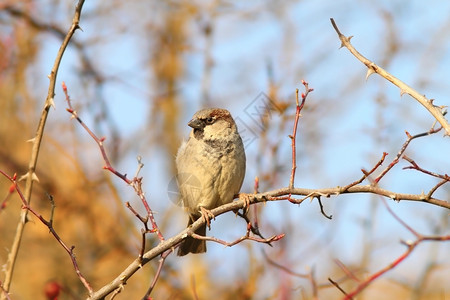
(139, 70)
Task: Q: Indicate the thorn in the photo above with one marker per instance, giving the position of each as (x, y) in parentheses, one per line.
(31, 140)
(23, 177)
(51, 101)
(422, 195)
(342, 45)
(349, 38)
(402, 92)
(34, 177)
(370, 71)
(49, 76)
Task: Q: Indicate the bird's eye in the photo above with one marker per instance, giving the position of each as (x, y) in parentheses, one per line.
(210, 120)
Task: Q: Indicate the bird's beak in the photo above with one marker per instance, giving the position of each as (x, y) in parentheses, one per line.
(196, 124)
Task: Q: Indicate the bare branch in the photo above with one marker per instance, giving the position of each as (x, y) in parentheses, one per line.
(49, 225)
(158, 272)
(136, 182)
(415, 166)
(274, 195)
(366, 173)
(436, 111)
(284, 268)
(299, 107)
(31, 176)
(411, 245)
(403, 149)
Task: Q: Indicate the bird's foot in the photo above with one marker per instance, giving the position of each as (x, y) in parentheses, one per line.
(207, 215)
(246, 198)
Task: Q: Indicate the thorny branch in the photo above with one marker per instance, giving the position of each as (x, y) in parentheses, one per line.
(274, 195)
(411, 245)
(403, 148)
(136, 182)
(445, 178)
(31, 176)
(49, 225)
(167, 246)
(438, 112)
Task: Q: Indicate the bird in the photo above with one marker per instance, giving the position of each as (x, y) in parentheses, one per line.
(210, 169)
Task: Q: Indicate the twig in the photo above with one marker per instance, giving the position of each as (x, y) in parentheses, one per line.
(309, 276)
(402, 150)
(255, 210)
(338, 286)
(436, 111)
(253, 229)
(329, 217)
(410, 247)
(284, 268)
(7, 197)
(31, 176)
(350, 274)
(49, 225)
(158, 273)
(415, 166)
(143, 231)
(274, 195)
(392, 265)
(438, 185)
(445, 178)
(366, 173)
(136, 182)
(247, 236)
(299, 107)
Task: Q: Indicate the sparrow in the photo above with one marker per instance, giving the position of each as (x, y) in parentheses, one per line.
(210, 169)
